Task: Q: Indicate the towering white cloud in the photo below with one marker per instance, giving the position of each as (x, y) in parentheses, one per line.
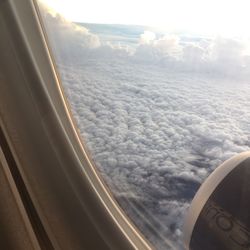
(147, 37)
(214, 56)
(67, 38)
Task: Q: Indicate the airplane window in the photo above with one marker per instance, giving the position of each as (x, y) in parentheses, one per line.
(159, 91)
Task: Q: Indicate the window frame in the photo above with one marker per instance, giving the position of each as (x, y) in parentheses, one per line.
(64, 186)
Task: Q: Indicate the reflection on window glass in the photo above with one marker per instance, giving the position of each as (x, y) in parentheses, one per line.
(159, 108)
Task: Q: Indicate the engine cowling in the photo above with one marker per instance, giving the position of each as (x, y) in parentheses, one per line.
(219, 215)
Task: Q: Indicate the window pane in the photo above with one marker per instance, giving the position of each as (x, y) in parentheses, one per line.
(160, 100)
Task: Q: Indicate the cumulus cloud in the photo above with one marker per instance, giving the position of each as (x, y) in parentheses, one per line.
(154, 129)
(218, 56)
(67, 38)
(147, 37)
(161, 51)
(194, 53)
(227, 49)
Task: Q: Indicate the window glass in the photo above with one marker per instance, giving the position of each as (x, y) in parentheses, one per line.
(159, 90)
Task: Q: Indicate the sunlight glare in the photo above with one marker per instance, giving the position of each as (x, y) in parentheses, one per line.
(211, 17)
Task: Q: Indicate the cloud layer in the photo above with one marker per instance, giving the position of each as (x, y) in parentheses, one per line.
(217, 56)
(157, 117)
(156, 136)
